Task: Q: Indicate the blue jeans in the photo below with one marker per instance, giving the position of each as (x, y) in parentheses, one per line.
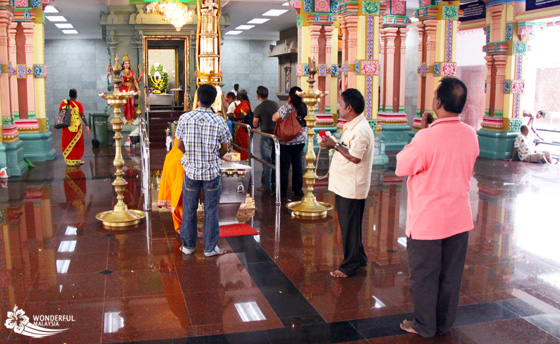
(268, 179)
(191, 192)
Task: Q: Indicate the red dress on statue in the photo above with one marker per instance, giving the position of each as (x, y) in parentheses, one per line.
(127, 86)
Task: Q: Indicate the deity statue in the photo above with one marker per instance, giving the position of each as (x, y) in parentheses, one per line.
(128, 81)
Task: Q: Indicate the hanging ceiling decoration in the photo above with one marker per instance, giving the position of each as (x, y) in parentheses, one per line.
(174, 12)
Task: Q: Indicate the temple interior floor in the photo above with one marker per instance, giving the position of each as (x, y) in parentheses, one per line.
(274, 287)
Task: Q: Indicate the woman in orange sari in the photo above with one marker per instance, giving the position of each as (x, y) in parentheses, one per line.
(129, 82)
(72, 136)
(240, 134)
(170, 193)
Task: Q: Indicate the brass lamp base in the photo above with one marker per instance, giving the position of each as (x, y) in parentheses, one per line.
(120, 219)
(309, 210)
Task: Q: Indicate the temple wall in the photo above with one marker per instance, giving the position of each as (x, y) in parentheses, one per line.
(79, 64)
(246, 62)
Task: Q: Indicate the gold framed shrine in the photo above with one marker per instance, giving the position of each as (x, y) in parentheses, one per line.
(176, 99)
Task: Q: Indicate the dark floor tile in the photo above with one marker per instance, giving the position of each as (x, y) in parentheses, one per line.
(506, 331)
(257, 337)
(381, 326)
(320, 333)
(483, 312)
(547, 322)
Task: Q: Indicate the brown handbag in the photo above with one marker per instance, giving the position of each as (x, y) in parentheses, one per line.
(289, 128)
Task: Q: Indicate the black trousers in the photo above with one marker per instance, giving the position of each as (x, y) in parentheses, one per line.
(350, 216)
(291, 155)
(436, 273)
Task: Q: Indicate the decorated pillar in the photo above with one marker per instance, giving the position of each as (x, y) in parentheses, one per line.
(392, 116)
(20, 70)
(437, 45)
(317, 38)
(5, 73)
(505, 54)
(39, 70)
(11, 150)
(360, 65)
(26, 84)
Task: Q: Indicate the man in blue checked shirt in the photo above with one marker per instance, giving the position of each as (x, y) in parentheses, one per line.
(203, 137)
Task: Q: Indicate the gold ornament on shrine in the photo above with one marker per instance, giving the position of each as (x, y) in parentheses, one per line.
(309, 207)
(120, 216)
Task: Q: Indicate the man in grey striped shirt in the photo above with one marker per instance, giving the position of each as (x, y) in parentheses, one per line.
(203, 137)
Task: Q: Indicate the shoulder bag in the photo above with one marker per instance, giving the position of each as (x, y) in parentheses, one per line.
(64, 117)
(289, 128)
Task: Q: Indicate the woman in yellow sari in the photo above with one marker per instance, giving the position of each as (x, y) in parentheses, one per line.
(72, 136)
(170, 193)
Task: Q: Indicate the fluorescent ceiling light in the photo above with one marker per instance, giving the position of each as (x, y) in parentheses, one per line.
(233, 32)
(70, 230)
(56, 18)
(402, 241)
(249, 311)
(64, 25)
(245, 27)
(113, 322)
(50, 9)
(286, 3)
(257, 21)
(274, 13)
(413, 20)
(70, 32)
(62, 265)
(67, 246)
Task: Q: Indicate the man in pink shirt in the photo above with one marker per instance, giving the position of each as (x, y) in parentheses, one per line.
(439, 162)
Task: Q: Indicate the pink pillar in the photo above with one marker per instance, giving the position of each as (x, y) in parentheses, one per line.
(12, 54)
(328, 62)
(28, 30)
(500, 61)
(489, 103)
(390, 77)
(352, 25)
(315, 32)
(402, 84)
(5, 18)
(382, 67)
(421, 73)
(431, 30)
(344, 30)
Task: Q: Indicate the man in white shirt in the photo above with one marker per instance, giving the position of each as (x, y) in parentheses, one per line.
(526, 150)
(350, 178)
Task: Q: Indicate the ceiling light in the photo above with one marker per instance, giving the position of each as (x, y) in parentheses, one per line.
(257, 21)
(173, 12)
(64, 25)
(70, 32)
(274, 13)
(50, 9)
(413, 20)
(113, 321)
(233, 32)
(67, 246)
(56, 18)
(249, 311)
(62, 265)
(70, 230)
(286, 3)
(245, 27)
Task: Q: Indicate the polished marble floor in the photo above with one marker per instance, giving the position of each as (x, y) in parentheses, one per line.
(135, 286)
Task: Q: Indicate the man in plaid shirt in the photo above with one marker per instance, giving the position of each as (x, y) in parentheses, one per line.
(203, 137)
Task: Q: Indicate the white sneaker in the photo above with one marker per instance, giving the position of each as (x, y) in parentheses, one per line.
(187, 250)
(216, 251)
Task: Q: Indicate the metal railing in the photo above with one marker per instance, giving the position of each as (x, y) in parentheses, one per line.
(252, 157)
(145, 165)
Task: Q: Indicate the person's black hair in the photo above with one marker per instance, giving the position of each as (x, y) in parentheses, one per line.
(355, 99)
(297, 102)
(236, 87)
(523, 127)
(542, 112)
(262, 92)
(231, 95)
(206, 94)
(73, 94)
(242, 95)
(452, 93)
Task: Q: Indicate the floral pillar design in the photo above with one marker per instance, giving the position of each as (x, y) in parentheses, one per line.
(12, 54)
(27, 46)
(39, 70)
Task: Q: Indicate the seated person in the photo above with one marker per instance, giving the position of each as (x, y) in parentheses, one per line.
(525, 148)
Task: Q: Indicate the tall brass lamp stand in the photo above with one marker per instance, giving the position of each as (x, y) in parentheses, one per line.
(309, 207)
(120, 216)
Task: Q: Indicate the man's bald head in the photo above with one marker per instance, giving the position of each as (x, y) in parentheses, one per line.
(452, 93)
